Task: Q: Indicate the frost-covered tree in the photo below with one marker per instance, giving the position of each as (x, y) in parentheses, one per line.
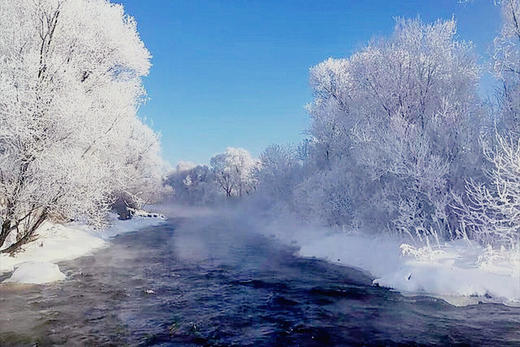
(397, 124)
(326, 196)
(234, 172)
(507, 66)
(193, 184)
(143, 170)
(277, 174)
(490, 209)
(70, 141)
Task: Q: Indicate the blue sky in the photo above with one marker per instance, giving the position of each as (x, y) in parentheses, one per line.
(235, 72)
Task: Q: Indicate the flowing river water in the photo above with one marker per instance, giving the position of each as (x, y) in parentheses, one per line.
(182, 285)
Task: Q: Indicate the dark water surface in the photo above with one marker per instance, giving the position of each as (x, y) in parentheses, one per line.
(198, 283)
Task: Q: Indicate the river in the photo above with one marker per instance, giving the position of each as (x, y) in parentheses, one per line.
(191, 283)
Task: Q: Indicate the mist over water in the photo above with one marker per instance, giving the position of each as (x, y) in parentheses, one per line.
(207, 278)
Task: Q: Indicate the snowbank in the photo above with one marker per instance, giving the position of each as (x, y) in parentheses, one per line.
(461, 272)
(57, 242)
(36, 273)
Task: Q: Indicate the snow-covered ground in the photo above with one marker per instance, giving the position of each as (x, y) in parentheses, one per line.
(58, 242)
(461, 272)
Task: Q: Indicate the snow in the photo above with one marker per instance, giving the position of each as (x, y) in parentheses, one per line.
(60, 242)
(142, 213)
(461, 272)
(36, 273)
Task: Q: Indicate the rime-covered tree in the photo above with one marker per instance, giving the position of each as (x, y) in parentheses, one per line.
(507, 66)
(278, 172)
(234, 172)
(490, 211)
(70, 141)
(193, 184)
(396, 127)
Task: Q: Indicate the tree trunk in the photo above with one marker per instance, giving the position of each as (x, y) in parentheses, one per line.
(6, 229)
(27, 236)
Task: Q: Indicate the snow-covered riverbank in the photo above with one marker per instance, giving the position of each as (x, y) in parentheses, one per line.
(58, 242)
(461, 272)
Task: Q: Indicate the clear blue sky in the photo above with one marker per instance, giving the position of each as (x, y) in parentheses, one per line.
(235, 72)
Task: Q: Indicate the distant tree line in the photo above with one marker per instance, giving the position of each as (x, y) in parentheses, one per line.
(231, 175)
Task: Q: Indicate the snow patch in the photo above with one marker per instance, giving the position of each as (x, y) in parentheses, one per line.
(60, 242)
(142, 213)
(34, 272)
(458, 268)
(461, 272)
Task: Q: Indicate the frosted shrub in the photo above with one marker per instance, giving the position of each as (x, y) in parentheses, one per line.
(491, 213)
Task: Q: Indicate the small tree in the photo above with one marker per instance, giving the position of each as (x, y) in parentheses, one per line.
(233, 172)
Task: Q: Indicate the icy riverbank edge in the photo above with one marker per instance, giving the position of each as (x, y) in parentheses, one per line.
(462, 272)
(35, 263)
